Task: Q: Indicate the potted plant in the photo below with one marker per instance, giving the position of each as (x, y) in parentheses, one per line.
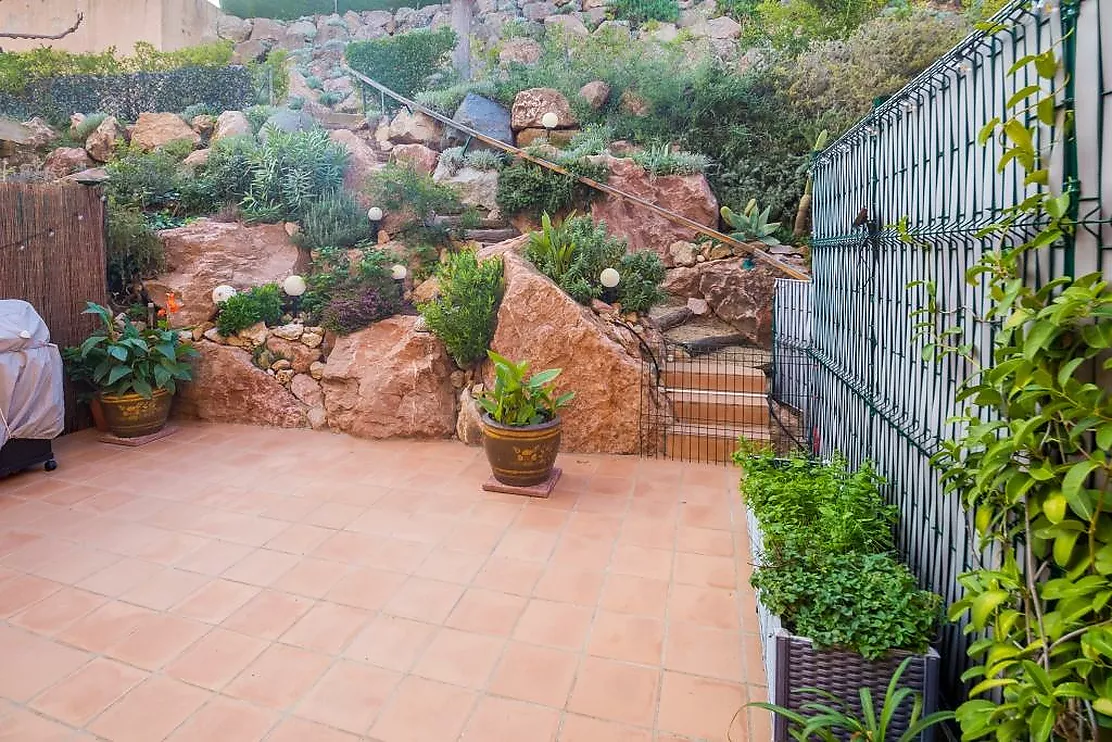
(838, 612)
(133, 371)
(521, 424)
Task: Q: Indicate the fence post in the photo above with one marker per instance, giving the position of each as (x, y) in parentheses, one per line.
(1070, 9)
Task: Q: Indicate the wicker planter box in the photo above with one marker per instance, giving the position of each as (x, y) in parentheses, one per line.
(792, 663)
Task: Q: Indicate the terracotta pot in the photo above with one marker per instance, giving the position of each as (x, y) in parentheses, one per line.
(521, 456)
(132, 416)
(97, 411)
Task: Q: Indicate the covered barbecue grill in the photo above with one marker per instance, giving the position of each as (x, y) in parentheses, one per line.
(32, 405)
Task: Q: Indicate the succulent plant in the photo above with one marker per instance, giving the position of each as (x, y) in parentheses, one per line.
(751, 225)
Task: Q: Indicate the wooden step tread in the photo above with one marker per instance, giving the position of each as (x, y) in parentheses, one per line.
(710, 407)
(719, 432)
(713, 377)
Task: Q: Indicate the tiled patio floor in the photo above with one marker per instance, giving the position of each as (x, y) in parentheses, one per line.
(233, 584)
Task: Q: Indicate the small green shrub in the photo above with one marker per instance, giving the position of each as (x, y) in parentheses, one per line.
(484, 159)
(271, 77)
(334, 221)
(403, 62)
(663, 160)
(344, 296)
(134, 251)
(260, 304)
(447, 100)
(400, 188)
(464, 314)
(527, 188)
(642, 275)
(638, 12)
(330, 98)
(228, 170)
(82, 131)
(289, 172)
(194, 110)
(144, 179)
(313, 82)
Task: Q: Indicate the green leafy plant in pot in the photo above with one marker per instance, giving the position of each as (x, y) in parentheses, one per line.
(134, 371)
(521, 424)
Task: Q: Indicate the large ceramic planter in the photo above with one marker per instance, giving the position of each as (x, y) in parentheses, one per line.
(97, 412)
(793, 663)
(133, 416)
(521, 456)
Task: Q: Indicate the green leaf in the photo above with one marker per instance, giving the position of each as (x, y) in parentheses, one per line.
(1103, 706)
(984, 604)
(1076, 476)
(1047, 111)
(987, 131)
(118, 352)
(1046, 64)
(1019, 135)
(1021, 94)
(117, 373)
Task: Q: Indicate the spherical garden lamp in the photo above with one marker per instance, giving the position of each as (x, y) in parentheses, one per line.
(609, 278)
(398, 272)
(295, 287)
(550, 120)
(222, 293)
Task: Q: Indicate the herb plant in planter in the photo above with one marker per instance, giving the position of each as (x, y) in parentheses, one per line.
(521, 424)
(838, 612)
(134, 372)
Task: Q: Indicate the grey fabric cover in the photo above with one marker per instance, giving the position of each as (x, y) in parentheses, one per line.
(32, 404)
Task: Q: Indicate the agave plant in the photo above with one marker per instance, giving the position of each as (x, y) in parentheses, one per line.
(552, 248)
(830, 722)
(751, 225)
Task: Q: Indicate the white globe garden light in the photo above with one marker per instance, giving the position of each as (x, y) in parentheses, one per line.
(374, 214)
(399, 272)
(550, 120)
(294, 286)
(222, 293)
(609, 278)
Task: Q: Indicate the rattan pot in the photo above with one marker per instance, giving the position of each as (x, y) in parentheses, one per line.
(521, 455)
(132, 415)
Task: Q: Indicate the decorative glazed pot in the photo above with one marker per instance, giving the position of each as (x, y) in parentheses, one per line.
(132, 415)
(97, 412)
(521, 456)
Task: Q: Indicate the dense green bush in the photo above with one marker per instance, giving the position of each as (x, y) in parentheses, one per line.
(228, 172)
(334, 221)
(260, 304)
(663, 160)
(134, 251)
(574, 253)
(288, 10)
(793, 25)
(403, 62)
(527, 188)
(835, 82)
(401, 189)
(145, 180)
(464, 314)
(346, 296)
(271, 77)
(638, 12)
(289, 172)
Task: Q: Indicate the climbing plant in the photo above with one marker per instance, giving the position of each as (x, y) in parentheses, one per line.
(1032, 463)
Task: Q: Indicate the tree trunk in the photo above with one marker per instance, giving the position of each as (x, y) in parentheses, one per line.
(461, 11)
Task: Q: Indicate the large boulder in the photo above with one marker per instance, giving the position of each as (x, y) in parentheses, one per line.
(233, 29)
(39, 133)
(686, 195)
(227, 387)
(417, 156)
(388, 381)
(520, 50)
(266, 29)
(595, 94)
(415, 128)
(252, 50)
(722, 27)
(286, 120)
(231, 124)
(154, 130)
(601, 362)
(531, 105)
(362, 160)
(484, 116)
(102, 142)
(474, 187)
(207, 254)
(737, 290)
(65, 160)
(568, 24)
(538, 11)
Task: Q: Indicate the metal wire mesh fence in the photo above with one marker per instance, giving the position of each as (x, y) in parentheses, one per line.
(872, 393)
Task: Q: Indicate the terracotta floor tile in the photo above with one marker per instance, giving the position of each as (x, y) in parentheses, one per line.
(701, 650)
(538, 674)
(431, 601)
(292, 509)
(530, 546)
(460, 658)
(655, 564)
(451, 566)
(226, 719)
(694, 540)
(268, 615)
(620, 636)
(706, 571)
(509, 575)
(585, 729)
(333, 515)
(213, 557)
(157, 640)
(706, 606)
(300, 538)
(300, 730)
(423, 711)
(216, 601)
(167, 588)
(391, 642)
(552, 624)
(326, 628)
(473, 538)
(54, 613)
(349, 548)
(699, 707)
(503, 719)
(545, 520)
(24, 726)
(637, 595)
(581, 587)
(87, 692)
(279, 676)
(349, 696)
(652, 533)
(23, 591)
(117, 579)
(487, 612)
(76, 565)
(105, 626)
(616, 691)
(312, 577)
(150, 711)
(399, 555)
(261, 567)
(369, 589)
(583, 553)
(216, 658)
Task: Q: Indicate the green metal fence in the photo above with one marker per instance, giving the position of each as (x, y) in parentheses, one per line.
(873, 396)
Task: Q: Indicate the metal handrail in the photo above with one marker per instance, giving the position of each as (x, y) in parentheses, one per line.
(760, 255)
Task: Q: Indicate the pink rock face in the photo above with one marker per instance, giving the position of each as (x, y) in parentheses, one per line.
(154, 130)
(388, 381)
(739, 296)
(601, 363)
(102, 142)
(362, 161)
(65, 160)
(228, 387)
(531, 105)
(418, 156)
(595, 93)
(230, 124)
(415, 128)
(686, 195)
(206, 254)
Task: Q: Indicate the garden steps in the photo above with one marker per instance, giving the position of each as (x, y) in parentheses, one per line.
(715, 444)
